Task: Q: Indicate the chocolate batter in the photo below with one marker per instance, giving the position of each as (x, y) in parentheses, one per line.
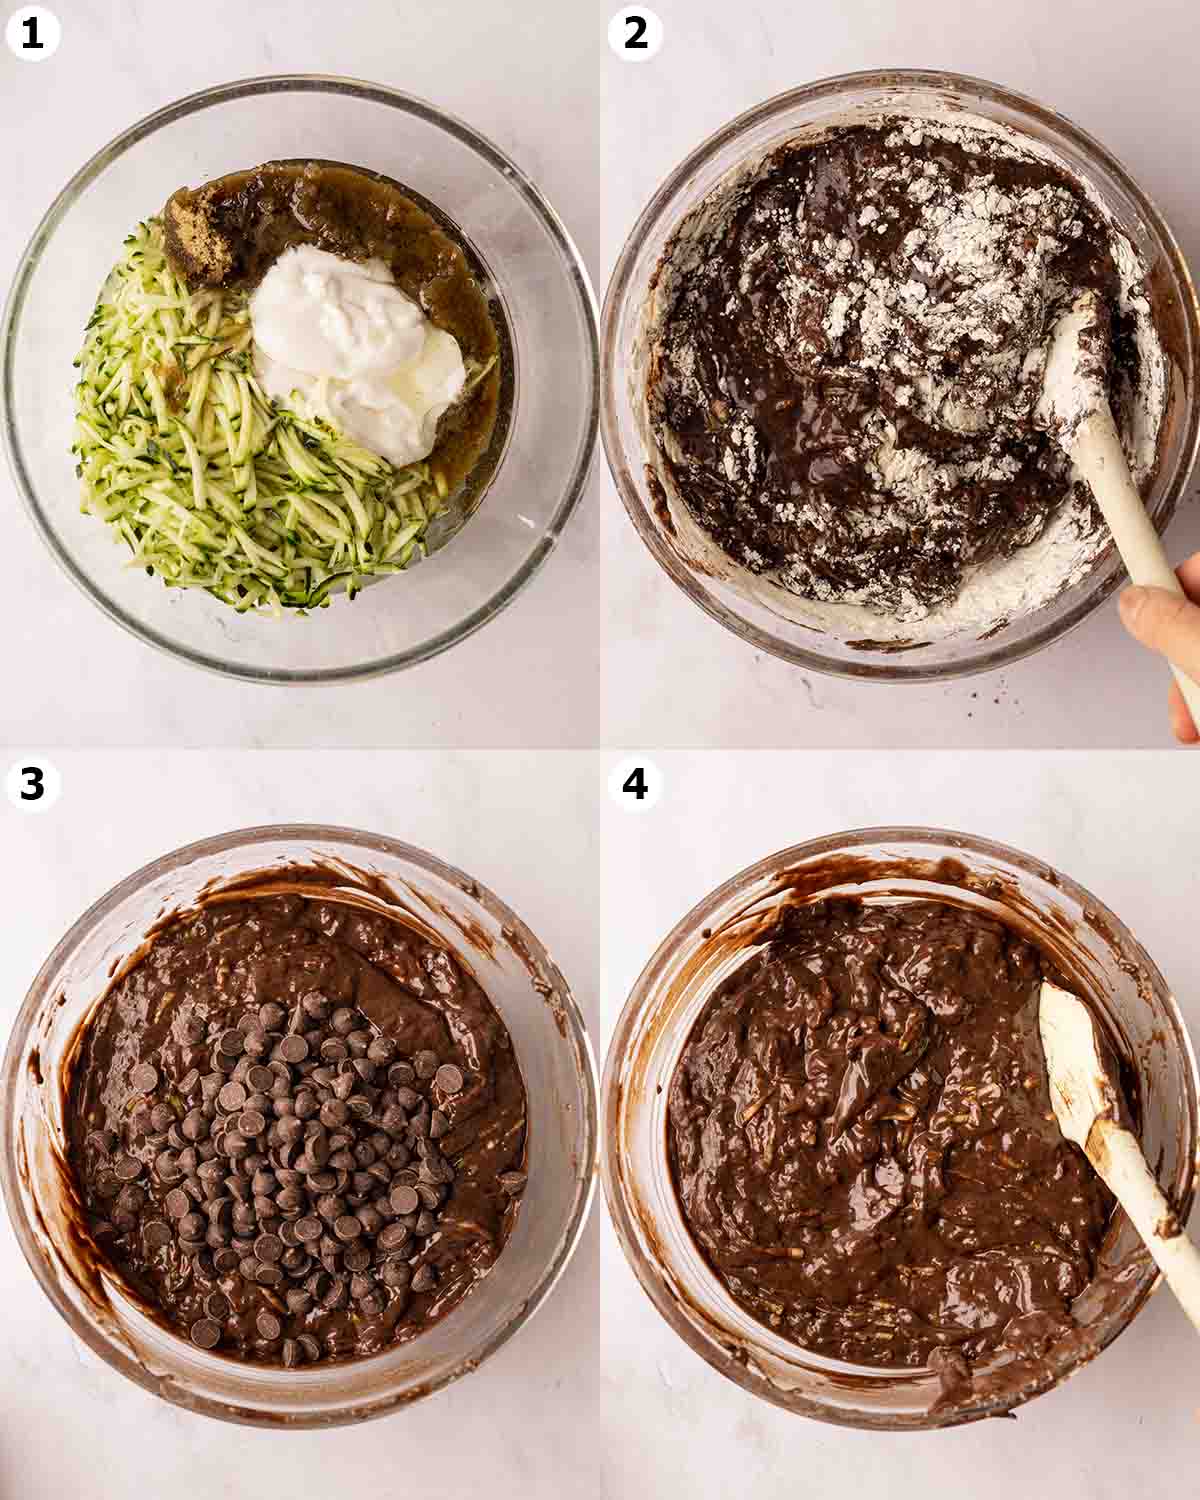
(863, 1144)
(230, 231)
(843, 391)
(297, 1129)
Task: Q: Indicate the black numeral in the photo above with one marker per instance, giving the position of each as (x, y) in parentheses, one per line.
(30, 25)
(35, 787)
(635, 39)
(635, 782)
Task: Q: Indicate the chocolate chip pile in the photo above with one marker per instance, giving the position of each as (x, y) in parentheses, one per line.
(300, 1174)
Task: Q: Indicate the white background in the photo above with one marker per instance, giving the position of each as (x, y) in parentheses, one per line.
(73, 1427)
(1127, 74)
(1129, 1423)
(527, 76)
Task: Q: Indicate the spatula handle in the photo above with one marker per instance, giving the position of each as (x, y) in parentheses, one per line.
(1100, 458)
(1117, 1156)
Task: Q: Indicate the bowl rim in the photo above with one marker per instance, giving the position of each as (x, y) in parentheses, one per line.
(573, 265)
(576, 1033)
(899, 667)
(618, 1197)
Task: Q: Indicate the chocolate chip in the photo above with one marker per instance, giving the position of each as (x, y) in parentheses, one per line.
(156, 1233)
(309, 1345)
(424, 1279)
(251, 1123)
(260, 1079)
(347, 1227)
(144, 1078)
(177, 1203)
(127, 1167)
(308, 1229)
(217, 1305)
(449, 1078)
(268, 1325)
(191, 1226)
(293, 1049)
(232, 1097)
(167, 1168)
(231, 1042)
(512, 1183)
(206, 1334)
(393, 1236)
(426, 1064)
(382, 1049)
(268, 1248)
(404, 1199)
(292, 1354)
(395, 1274)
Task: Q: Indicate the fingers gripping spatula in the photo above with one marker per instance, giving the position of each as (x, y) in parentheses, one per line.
(1074, 410)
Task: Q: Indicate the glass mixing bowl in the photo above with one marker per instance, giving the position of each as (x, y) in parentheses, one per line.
(524, 257)
(552, 1048)
(751, 136)
(1098, 955)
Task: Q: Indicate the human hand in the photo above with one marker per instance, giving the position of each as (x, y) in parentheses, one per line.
(1170, 625)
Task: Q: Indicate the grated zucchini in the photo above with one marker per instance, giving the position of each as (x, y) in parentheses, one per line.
(209, 483)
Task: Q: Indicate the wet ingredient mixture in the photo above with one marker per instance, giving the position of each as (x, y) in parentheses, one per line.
(297, 1130)
(843, 378)
(231, 231)
(863, 1144)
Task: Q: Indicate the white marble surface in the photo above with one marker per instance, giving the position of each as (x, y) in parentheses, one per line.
(672, 675)
(73, 677)
(1127, 1424)
(71, 1425)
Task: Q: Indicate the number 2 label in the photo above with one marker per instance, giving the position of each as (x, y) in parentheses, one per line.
(635, 33)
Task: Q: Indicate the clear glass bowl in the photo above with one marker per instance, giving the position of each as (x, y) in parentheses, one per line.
(749, 137)
(528, 264)
(1094, 949)
(552, 1048)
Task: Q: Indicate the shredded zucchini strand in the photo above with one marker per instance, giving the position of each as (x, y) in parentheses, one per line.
(207, 482)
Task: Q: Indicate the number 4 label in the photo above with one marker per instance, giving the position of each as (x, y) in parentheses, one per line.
(635, 33)
(635, 783)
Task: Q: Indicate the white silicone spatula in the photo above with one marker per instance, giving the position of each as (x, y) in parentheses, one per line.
(1074, 409)
(1085, 1102)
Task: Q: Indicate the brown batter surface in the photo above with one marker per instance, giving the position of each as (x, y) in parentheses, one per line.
(864, 1147)
(844, 388)
(297, 1130)
(230, 231)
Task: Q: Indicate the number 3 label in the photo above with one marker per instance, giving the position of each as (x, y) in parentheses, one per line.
(635, 34)
(32, 784)
(33, 33)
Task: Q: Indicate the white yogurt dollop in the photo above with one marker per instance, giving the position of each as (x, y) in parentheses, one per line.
(337, 339)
